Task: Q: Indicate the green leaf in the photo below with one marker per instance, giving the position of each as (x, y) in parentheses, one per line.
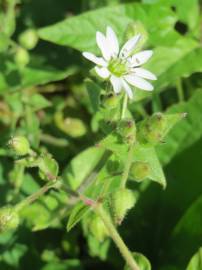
(79, 31)
(11, 78)
(179, 247)
(38, 102)
(169, 63)
(186, 132)
(78, 212)
(84, 166)
(148, 154)
(196, 261)
(141, 260)
(94, 92)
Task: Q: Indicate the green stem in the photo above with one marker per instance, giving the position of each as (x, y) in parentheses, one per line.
(127, 166)
(124, 106)
(180, 91)
(127, 255)
(35, 195)
(59, 142)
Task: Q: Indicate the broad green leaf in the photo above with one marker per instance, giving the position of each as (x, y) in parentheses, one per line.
(85, 166)
(78, 212)
(141, 261)
(170, 63)
(186, 132)
(79, 31)
(196, 261)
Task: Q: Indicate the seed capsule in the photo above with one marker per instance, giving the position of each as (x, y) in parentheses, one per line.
(9, 219)
(20, 145)
(98, 229)
(140, 170)
(28, 39)
(121, 202)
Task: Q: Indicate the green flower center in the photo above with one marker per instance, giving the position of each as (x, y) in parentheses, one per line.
(117, 67)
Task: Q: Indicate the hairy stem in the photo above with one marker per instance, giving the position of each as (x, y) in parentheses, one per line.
(127, 166)
(127, 255)
(35, 195)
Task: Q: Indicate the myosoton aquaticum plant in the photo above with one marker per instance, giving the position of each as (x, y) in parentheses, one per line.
(126, 149)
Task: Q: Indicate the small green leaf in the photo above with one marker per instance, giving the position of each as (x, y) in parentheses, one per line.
(38, 102)
(94, 94)
(78, 212)
(148, 154)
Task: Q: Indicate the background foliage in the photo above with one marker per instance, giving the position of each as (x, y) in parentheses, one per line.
(48, 102)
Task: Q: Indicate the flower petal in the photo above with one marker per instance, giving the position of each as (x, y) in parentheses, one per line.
(103, 45)
(139, 82)
(93, 58)
(141, 58)
(144, 73)
(127, 89)
(102, 72)
(116, 83)
(112, 41)
(129, 46)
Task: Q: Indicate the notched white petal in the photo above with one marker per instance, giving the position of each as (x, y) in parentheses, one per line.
(112, 41)
(116, 83)
(144, 73)
(139, 82)
(102, 72)
(127, 89)
(103, 45)
(129, 46)
(93, 58)
(141, 58)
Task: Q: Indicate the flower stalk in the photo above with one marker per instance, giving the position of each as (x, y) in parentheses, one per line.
(116, 237)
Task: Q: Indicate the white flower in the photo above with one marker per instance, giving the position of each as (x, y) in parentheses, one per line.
(121, 67)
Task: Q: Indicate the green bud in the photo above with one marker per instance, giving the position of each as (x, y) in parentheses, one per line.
(152, 130)
(73, 127)
(140, 170)
(127, 129)
(28, 39)
(9, 219)
(111, 101)
(98, 229)
(21, 57)
(121, 202)
(48, 167)
(20, 145)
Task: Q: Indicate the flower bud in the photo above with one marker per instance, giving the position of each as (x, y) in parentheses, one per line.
(9, 219)
(98, 229)
(121, 202)
(21, 57)
(48, 168)
(153, 129)
(127, 129)
(28, 39)
(20, 145)
(111, 101)
(140, 170)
